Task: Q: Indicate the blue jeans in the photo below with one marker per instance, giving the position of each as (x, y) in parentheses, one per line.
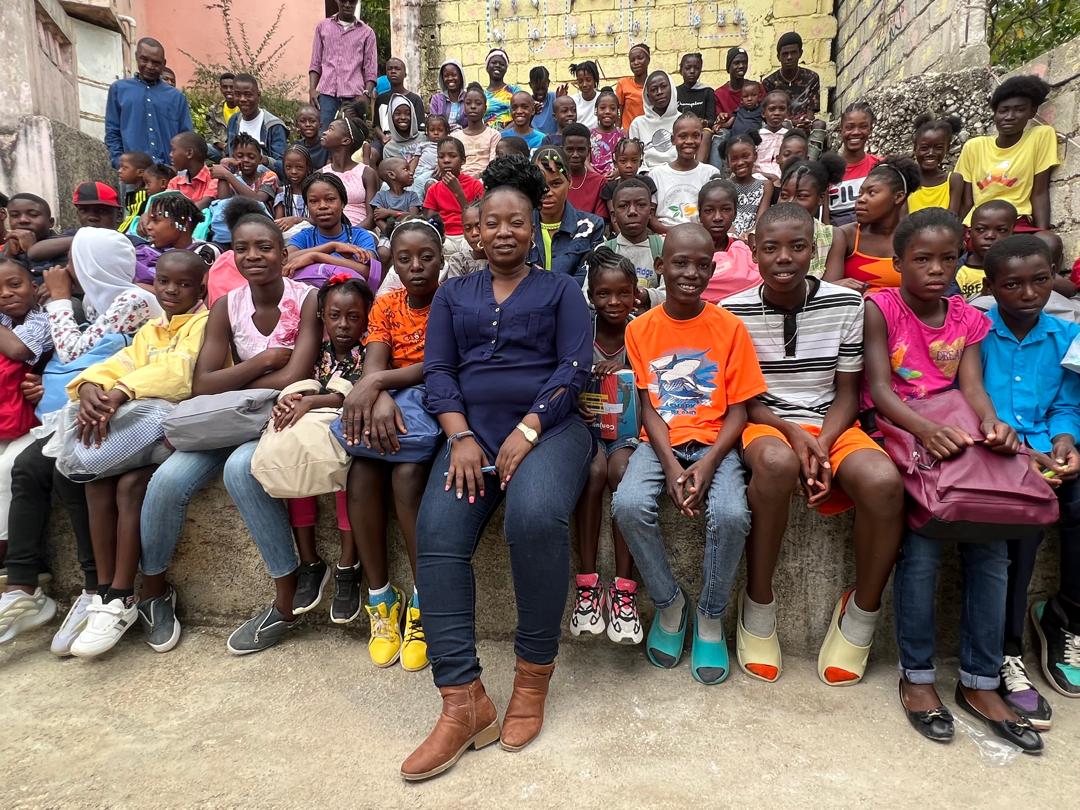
(328, 107)
(182, 475)
(636, 508)
(982, 612)
(539, 500)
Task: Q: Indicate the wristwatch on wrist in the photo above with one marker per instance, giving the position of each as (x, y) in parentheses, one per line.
(530, 434)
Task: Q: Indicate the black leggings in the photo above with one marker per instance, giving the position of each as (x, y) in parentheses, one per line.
(33, 479)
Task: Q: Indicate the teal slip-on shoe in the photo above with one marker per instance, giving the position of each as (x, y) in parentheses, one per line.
(665, 649)
(709, 662)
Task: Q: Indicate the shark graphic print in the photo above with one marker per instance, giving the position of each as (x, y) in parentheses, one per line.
(682, 381)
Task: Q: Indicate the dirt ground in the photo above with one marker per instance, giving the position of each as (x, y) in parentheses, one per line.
(312, 724)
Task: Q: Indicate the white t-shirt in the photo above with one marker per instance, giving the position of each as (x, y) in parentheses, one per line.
(586, 110)
(254, 126)
(677, 191)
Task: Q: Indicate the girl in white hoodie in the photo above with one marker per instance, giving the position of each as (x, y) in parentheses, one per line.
(654, 127)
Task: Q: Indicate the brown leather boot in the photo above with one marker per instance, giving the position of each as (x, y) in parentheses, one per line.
(468, 719)
(525, 715)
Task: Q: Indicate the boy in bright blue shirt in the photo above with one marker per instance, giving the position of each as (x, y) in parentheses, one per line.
(1041, 400)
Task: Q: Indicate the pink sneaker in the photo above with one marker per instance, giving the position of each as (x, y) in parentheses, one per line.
(588, 615)
(624, 622)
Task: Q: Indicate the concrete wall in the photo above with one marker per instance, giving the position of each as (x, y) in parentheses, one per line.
(221, 580)
(100, 53)
(888, 40)
(188, 24)
(1061, 68)
(37, 61)
(47, 158)
(546, 32)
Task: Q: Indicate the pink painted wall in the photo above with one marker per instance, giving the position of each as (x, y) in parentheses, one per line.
(188, 24)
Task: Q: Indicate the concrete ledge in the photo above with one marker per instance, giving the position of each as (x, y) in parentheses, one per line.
(221, 579)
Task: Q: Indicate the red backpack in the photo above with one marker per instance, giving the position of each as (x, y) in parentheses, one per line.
(16, 414)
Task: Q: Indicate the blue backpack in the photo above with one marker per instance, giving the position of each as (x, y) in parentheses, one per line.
(57, 375)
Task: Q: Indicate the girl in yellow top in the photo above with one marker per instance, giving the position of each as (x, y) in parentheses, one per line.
(1015, 164)
(939, 188)
(158, 364)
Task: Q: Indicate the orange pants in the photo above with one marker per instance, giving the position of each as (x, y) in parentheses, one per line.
(846, 443)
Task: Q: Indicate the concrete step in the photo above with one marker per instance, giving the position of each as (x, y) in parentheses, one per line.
(221, 580)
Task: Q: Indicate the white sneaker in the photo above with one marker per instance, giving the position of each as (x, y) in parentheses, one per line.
(105, 625)
(588, 614)
(624, 621)
(72, 625)
(20, 611)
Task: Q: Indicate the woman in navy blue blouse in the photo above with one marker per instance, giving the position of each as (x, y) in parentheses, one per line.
(508, 351)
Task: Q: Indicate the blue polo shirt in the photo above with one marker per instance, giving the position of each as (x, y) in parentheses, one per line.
(1026, 382)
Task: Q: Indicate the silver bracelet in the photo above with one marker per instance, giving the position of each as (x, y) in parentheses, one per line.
(464, 434)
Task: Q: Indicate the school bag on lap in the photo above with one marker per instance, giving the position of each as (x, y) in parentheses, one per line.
(212, 421)
(305, 459)
(135, 439)
(977, 495)
(416, 446)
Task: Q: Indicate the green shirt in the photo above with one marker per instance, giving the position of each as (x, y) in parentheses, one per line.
(547, 230)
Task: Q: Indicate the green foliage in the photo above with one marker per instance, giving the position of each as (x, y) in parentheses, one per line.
(376, 13)
(1020, 30)
(260, 60)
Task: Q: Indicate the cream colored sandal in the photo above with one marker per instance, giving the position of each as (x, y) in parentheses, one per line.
(841, 663)
(758, 657)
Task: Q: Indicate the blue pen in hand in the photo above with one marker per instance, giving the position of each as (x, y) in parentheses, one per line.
(484, 470)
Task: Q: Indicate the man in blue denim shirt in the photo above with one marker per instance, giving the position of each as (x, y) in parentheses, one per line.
(1032, 392)
(143, 113)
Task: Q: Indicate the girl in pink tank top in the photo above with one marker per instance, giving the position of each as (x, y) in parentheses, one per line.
(266, 333)
(247, 339)
(342, 139)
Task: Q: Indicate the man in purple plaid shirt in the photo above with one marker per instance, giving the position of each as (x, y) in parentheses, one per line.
(343, 62)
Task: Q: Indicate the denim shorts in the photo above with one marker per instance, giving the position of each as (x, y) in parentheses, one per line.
(612, 446)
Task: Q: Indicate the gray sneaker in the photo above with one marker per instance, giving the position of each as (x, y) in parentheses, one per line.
(161, 630)
(260, 632)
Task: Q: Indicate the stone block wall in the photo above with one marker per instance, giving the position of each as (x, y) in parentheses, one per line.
(888, 40)
(1061, 68)
(556, 33)
(962, 93)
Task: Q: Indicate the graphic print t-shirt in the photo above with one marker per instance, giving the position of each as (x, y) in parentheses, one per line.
(400, 327)
(843, 195)
(1007, 174)
(925, 360)
(677, 191)
(693, 370)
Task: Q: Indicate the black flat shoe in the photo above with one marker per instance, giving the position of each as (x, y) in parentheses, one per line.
(936, 724)
(1019, 732)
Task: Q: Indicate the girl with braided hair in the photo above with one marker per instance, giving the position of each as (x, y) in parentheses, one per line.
(334, 244)
(170, 222)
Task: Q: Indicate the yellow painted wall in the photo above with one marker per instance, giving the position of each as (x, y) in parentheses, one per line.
(538, 32)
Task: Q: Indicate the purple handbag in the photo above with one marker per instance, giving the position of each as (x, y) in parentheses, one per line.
(318, 274)
(977, 495)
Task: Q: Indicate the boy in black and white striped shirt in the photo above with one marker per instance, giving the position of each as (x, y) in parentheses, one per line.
(802, 433)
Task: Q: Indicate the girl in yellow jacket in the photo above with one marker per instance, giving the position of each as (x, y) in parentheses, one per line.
(158, 364)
